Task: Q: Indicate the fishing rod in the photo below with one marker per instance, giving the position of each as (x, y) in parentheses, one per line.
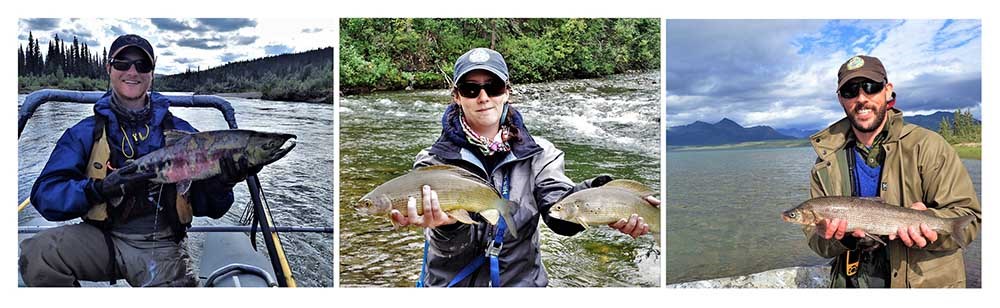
(206, 229)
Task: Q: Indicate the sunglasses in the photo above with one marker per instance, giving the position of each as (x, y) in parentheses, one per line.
(471, 90)
(850, 90)
(141, 66)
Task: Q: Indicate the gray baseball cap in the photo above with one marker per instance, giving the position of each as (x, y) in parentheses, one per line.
(481, 59)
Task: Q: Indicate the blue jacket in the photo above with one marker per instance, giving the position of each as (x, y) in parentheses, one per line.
(59, 192)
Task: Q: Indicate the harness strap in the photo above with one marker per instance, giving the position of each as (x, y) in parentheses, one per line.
(492, 249)
(112, 261)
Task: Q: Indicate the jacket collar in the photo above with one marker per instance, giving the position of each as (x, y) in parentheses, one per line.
(826, 142)
(452, 141)
(158, 104)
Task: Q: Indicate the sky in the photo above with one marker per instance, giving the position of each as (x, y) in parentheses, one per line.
(783, 73)
(180, 44)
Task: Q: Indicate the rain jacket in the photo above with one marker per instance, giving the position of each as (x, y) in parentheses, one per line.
(919, 166)
(59, 192)
(537, 181)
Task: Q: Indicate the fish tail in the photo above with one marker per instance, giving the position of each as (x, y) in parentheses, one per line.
(958, 227)
(505, 207)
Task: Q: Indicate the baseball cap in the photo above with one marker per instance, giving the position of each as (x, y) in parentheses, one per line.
(131, 40)
(861, 66)
(481, 58)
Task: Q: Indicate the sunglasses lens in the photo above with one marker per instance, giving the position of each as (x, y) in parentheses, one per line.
(872, 87)
(471, 90)
(120, 65)
(468, 90)
(849, 90)
(495, 89)
(143, 67)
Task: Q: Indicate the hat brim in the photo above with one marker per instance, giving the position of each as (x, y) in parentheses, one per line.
(148, 56)
(867, 74)
(488, 68)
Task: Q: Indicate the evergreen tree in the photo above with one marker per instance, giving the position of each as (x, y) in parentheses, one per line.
(20, 60)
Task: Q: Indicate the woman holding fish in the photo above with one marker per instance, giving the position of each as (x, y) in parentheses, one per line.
(484, 138)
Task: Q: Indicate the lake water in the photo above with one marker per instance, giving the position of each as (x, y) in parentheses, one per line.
(299, 187)
(723, 212)
(605, 125)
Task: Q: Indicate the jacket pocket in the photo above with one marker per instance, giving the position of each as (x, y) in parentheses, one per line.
(937, 269)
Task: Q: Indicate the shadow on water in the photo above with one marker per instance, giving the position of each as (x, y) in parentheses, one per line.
(612, 132)
(299, 187)
(723, 213)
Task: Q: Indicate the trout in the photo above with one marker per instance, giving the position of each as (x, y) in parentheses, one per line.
(873, 216)
(188, 157)
(609, 203)
(459, 193)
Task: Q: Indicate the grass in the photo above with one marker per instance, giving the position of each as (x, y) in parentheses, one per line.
(969, 150)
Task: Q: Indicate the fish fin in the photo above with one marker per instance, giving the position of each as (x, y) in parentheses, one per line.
(172, 136)
(462, 216)
(582, 221)
(875, 238)
(492, 216)
(958, 227)
(393, 222)
(506, 208)
(632, 186)
(183, 187)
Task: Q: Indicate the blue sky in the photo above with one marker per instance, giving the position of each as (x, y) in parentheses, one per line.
(783, 73)
(183, 43)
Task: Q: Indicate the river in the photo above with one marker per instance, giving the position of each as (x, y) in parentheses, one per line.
(299, 187)
(723, 210)
(608, 125)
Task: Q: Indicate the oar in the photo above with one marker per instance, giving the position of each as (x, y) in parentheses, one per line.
(24, 204)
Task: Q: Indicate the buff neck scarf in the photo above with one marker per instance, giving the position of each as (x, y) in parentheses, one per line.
(486, 145)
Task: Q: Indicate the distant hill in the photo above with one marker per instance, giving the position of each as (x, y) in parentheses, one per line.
(932, 121)
(304, 76)
(723, 132)
(797, 132)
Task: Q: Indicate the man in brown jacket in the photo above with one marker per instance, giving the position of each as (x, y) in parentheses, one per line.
(872, 153)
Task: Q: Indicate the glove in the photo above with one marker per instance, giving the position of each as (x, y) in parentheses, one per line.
(600, 180)
(235, 171)
(121, 182)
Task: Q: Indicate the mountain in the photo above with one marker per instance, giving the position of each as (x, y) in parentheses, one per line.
(725, 131)
(303, 76)
(932, 121)
(797, 132)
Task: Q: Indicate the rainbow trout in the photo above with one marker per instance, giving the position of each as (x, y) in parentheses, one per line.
(188, 157)
(459, 193)
(609, 203)
(874, 216)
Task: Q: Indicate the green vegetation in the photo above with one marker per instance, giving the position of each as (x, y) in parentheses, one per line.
(393, 54)
(305, 76)
(746, 145)
(964, 133)
(69, 66)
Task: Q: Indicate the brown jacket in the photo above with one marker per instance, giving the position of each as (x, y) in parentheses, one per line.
(919, 166)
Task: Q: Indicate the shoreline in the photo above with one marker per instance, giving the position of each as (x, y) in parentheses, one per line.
(816, 276)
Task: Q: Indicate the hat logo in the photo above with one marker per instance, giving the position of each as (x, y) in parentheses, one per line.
(479, 56)
(855, 63)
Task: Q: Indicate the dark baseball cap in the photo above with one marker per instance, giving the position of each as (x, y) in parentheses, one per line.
(861, 66)
(131, 40)
(481, 59)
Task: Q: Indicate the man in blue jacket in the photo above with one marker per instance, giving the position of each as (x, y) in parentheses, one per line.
(132, 229)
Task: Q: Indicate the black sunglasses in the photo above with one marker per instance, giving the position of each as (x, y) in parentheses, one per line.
(850, 90)
(141, 66)
(471, 90)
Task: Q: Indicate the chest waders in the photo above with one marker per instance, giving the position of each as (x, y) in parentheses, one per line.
(492, 251)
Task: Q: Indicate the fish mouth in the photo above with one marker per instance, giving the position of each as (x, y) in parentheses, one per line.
(283, 150)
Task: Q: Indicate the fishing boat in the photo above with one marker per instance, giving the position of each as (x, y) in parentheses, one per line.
(229, 255)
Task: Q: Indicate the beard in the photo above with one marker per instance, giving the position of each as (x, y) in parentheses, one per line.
(879, 112)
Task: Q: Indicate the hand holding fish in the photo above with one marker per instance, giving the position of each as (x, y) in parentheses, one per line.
(836, 228)
(919, 235)
(635, 226)
(433, 215)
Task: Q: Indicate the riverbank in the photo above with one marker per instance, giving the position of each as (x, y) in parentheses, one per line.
(744, 145)
(969, 150)
(28, 84)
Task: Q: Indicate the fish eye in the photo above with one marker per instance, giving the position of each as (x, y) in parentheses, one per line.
(792, 215)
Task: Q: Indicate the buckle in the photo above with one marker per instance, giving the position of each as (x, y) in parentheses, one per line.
(492, 250)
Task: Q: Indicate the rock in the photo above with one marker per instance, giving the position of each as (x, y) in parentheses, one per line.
(791, 277)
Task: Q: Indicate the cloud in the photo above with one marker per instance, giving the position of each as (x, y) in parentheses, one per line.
(186, 60)
(116, 31)
(245, 40)
(201, 43)
(277, 49)
(41, 24)
(312, 30)
(230, 56)
(168, 24)
(226, 24)
(782, 72)
(162, 45)
(167, 53)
